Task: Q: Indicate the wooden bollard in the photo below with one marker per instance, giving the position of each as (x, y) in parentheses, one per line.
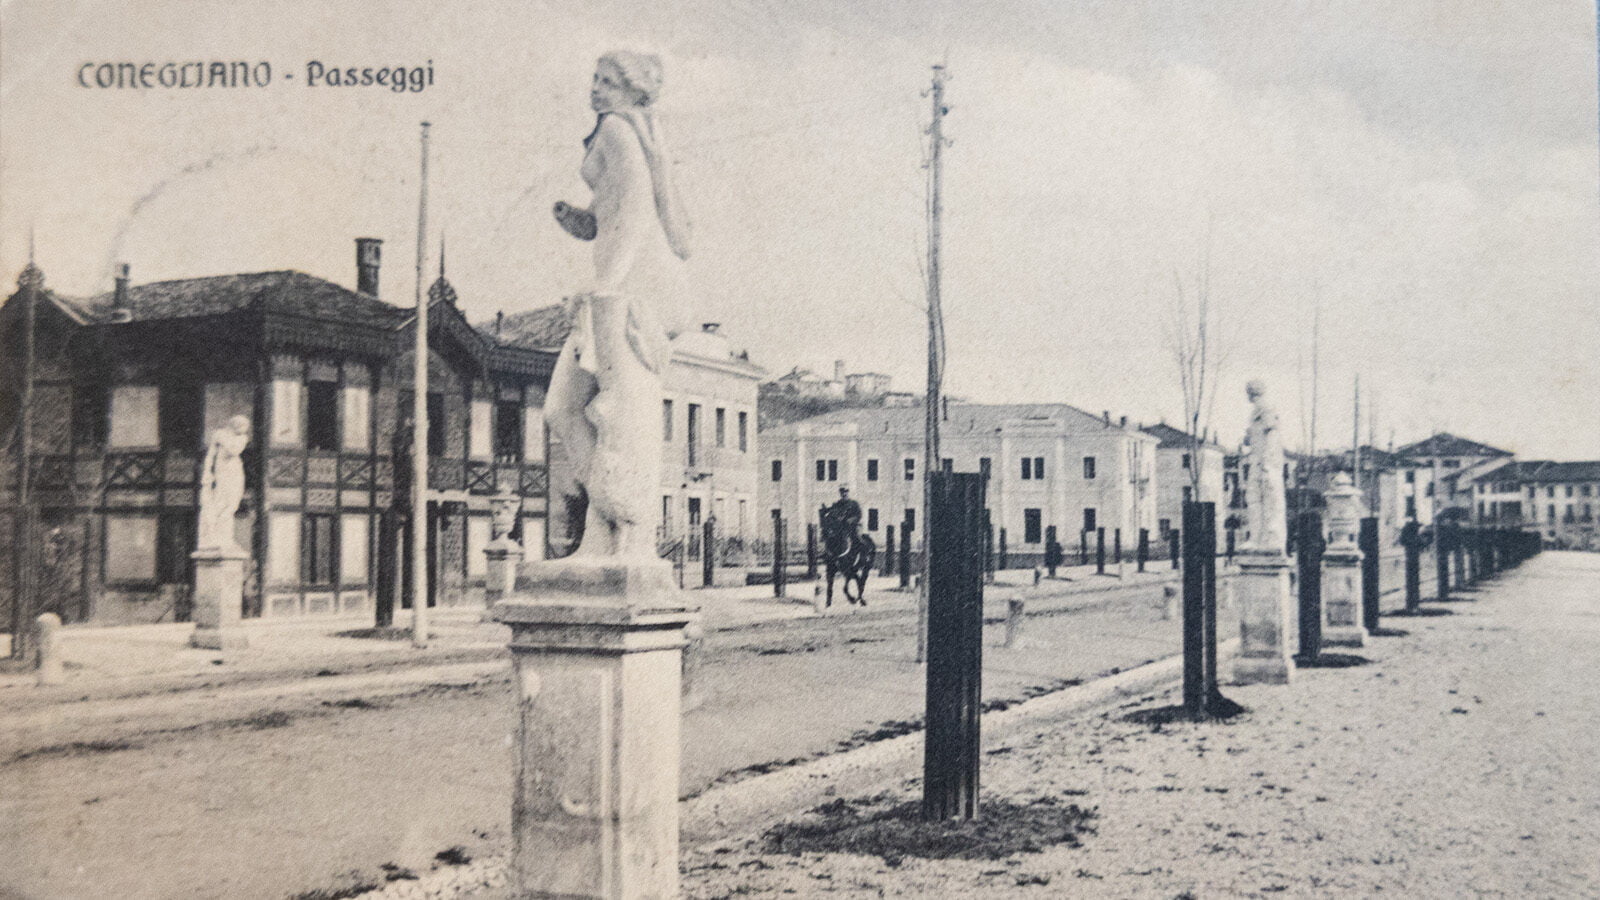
(47, 631)
(1014, 613)
(1169, 602)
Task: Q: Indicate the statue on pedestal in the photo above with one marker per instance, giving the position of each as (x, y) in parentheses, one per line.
(222, 486)
(605, 393)
(1264, 489)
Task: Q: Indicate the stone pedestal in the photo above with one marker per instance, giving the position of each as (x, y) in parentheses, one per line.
(218, 595)
(47, 641)
(1261, 588)
(1341, 599)
(504, 557)
(596, 646)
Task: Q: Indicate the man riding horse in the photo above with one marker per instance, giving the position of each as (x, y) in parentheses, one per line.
(845, 550)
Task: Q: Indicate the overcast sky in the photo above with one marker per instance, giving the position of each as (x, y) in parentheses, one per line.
(1426, 173)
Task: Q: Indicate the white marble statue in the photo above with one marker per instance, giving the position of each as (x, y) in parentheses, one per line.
(1264, 500)
(605, 393)
(222, 485)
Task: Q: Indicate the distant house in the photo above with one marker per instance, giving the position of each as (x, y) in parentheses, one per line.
(1559, 499)
(1179, 458)
(1447, 457)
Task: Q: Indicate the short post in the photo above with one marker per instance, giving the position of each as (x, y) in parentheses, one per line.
(779, 570)
(1169, 602)
(596, 649)
(1144, 547)
(1371, 557)
(1232, 538)
(1309, 545)
(1005, 561)
(888, 551)
(1052, 550)
(1116, 547)
(708, 553)
(1458, 546)
(1100, 551)
(47, 633)
(905, 555)
(1014, 613)
(1174, 541)
(955, 648)
(1083, 547)
(218, 598)
(502, 556)
(811, 551)
(1441, 562)
(1411, 542)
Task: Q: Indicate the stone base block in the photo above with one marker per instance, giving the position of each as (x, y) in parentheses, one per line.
(1262, 670)
(1341, 600)
(1261, 589)
(218, 596)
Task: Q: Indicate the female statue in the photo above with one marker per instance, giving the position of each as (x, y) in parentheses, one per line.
(1266, 507)
(222, 485)
(605, 393)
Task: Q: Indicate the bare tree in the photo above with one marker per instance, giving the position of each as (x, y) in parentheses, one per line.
(1194, 336)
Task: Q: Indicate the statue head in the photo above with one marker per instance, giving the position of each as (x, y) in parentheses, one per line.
(623, 78)
(239, 424)
(1255, 389)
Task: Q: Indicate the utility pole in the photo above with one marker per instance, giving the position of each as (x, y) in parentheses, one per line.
(1355, 437)
(934, 405)
(23, 580)
(420, 523)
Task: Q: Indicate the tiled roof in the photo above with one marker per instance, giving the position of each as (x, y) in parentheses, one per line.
(1173, 437)
(962, 419)
(1545, 471)
(286, 292)
(1446, 444)
(545, 328)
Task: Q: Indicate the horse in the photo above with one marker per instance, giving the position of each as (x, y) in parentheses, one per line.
(846, 553)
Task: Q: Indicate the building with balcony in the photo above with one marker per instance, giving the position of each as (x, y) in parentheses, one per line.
(129, 384)
(1049, 465)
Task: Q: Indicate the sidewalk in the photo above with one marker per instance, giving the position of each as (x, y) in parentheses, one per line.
(134, 660)
(1456, 758)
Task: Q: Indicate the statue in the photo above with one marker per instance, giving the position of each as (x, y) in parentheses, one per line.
(222, 485)
(1264, 498)
(605, 393)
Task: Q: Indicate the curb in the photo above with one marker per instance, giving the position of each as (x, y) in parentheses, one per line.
(743, 806)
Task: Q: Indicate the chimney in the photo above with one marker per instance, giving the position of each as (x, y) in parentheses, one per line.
(119, 297)
(1106, 414)
(499, 322)
(838, 370)
(369, 251)
(710, 327)
(1124, 422)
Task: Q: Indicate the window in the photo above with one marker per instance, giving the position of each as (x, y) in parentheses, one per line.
(318, 550)
(1088, 467)
(692, 433)
(179, 415)
(89, 418)
(872, 470)
(1411, 477)
(1569, 490)
(174, 542)
(1088, 518)
(1033, 468)
(947, 464)
(666, 515)
(1551, 509)
(833, 470)
(322, 415)
(1411, 507)
(722, 427)
(666, 420)
(508, 431)
(777, 470)
(1481, 511)
(133, 416)
(1031, 526)
(744, 432)
(1163, 526)
(911, 468)
(1585, 491)
(1186, 460)
(872, 520)
(435, 424)
(985, 467)
(1188, 493)
(1429, 491)
(1550, 492)
(1027, 468)
(130, 548)
(1038, 468)
(909, 522)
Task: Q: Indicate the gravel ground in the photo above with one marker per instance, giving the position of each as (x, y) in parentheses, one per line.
(1459, 761)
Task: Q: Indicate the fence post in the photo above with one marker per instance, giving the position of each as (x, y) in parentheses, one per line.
(1174, 538)
(1100, 551)
(1144, 547)
(708, 554)
(1199, 665)
(905, 555)
(1459, 551)
(1441, 562)
(1370, 590)
(1309, 544)
(1232, 544)
(1004, 553)
(888, 550)
(779, 572)
(988, 549)
(1083, 547)
(1411, 541)
(954, 703)
(1052, 550)
(811, 551)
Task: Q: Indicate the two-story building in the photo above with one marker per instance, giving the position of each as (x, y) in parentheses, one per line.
(1559, 499)
(1180, 462)
(1448, 457)
(129, 384)
(1049, 465)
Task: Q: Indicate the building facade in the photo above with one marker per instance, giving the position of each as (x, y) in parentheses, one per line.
(128, 386)
(1048, 466)
(1178, 460)
(1448, 457)
(1559, 499)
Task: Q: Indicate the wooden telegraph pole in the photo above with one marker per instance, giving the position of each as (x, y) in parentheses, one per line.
(24, 571)
(419, 430)
(933, 410)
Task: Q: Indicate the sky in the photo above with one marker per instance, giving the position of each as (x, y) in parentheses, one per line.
(1421, 180)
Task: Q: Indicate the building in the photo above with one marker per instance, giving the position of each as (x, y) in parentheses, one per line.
(708, 423)
(1176, 468)
(1049, 465)
(129, 384)
(1448, 456)
(1559, 499)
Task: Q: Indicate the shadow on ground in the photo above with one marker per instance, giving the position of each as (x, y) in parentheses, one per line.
(1423, 612)
(1220, 709)
(1389, 632)
(1331, 661)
